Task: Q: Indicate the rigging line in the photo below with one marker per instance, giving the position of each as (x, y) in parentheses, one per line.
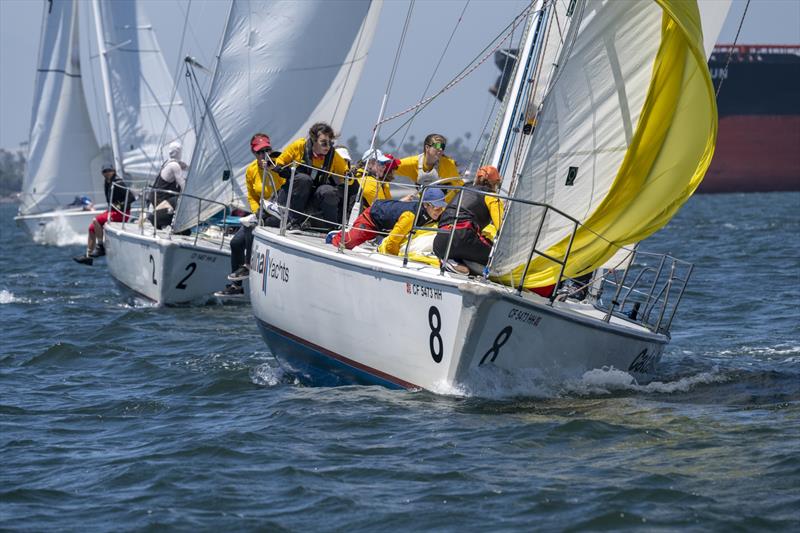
(459, 77)
(175, 74)
(96, 103)
(356, 58)
(214, 129)
(495, 100)
(469, 69)
(392, 74)
(730, 52)
(436, 68)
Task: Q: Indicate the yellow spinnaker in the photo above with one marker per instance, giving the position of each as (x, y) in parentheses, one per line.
(668, 156)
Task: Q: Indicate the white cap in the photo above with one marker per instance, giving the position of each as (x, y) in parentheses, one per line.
(174, 150)
(375, 154)
(344, 153)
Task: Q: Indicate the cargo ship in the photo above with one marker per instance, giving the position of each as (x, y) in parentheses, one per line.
(758, 147)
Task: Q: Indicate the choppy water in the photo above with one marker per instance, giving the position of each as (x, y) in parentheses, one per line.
(117, 415)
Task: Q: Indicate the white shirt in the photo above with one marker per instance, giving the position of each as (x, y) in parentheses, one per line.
(173, 172)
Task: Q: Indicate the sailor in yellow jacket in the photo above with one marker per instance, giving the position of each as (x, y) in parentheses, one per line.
(431, 164)
(258, 172)
(375, 175)
(317, 180)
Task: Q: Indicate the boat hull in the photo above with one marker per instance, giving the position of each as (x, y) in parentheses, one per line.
(58, 228)
(344, 318)
(168, 270)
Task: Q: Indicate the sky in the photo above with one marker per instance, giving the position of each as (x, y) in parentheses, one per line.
(462, 109)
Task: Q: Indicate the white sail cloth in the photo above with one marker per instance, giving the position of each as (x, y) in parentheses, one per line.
(62, 143)
(148, 111)
(283, 65)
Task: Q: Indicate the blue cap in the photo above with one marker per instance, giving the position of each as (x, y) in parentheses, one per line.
(435, 197)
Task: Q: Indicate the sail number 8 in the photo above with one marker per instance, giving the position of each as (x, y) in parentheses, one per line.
(435, 340)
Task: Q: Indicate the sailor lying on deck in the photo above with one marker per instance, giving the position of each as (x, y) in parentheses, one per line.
(393, 217)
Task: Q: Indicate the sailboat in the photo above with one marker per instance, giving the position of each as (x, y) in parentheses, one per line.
(268, 78)
(623, 126)
(64, 158)
(62, 150)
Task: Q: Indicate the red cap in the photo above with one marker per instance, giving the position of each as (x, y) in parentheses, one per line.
(490, 173)
(392, 164)
(260, 143)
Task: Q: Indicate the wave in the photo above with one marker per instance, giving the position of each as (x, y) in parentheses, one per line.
(7, 297)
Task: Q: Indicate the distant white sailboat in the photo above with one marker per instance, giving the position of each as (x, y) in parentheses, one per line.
(62, 151)
(625, 125)
(269, 78)
(64, 158)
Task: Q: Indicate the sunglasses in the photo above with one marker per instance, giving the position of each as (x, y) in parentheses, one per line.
(265, 151)
(438, 146)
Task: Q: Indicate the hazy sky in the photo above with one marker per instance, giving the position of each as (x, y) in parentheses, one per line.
(463, 109)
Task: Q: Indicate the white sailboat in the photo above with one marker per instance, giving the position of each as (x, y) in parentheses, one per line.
(269, 78)
(623, 136)
(64, 158)
(63, 154)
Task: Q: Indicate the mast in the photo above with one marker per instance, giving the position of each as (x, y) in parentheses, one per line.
(112, 122)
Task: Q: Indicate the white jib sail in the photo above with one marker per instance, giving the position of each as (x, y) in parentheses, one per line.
(587, 121)
(283, 65)
(148, 111)
(62, 143)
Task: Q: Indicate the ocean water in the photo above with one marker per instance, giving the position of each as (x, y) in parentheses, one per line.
(116, 415)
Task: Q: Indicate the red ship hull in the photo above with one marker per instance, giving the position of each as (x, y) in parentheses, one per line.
(755, 153)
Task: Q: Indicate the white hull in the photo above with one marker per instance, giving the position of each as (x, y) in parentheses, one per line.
(59, 228)
(357, 318)
(167, 269)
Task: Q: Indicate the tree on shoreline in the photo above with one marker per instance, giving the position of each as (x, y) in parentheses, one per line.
(12, 169)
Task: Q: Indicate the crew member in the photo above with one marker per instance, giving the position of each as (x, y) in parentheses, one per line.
(394, 217)
(477, 211)
(431, 165)
(258, 172)
(119, 200)
(170, 182)
(374, 175)
(317, 181)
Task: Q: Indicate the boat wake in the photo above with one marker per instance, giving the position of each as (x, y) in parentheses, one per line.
(7, 297)
(59, 232)
(269, 374)
(497, 384)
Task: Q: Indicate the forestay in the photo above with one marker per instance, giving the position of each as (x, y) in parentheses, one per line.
(624, 137)
(62, 143)
(282, 66)
(148, 111)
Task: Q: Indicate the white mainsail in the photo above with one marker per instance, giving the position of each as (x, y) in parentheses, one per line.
(593, 155)
(62, 143)
(277, 72)
(148, 111)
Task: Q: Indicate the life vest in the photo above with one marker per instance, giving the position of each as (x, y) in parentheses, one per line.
(386, 213)
(164, 187)
(423, 177)
(473, 208)
(320, 176)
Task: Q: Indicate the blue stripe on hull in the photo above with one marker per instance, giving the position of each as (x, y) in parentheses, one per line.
(320, 367)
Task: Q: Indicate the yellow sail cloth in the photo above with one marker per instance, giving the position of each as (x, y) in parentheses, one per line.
(665, 162)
